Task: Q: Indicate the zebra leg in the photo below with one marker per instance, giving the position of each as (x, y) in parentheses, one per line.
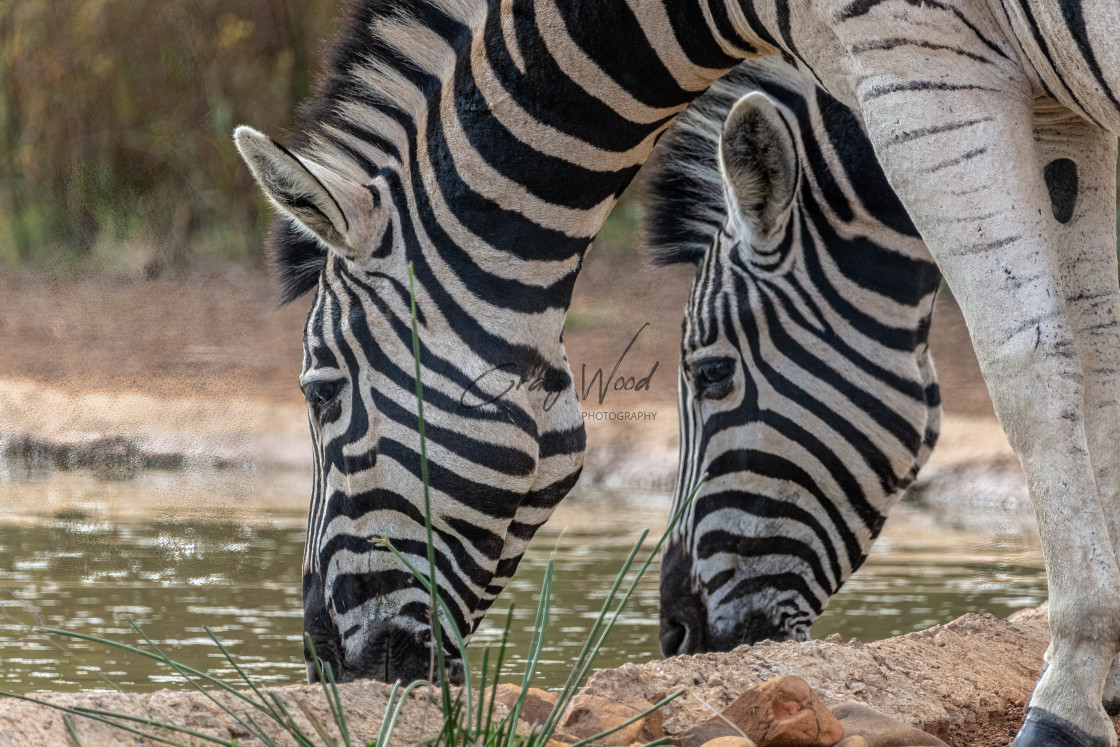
(1078, 163)
(963, 158)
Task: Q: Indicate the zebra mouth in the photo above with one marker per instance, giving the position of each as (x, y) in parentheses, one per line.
(394, 654)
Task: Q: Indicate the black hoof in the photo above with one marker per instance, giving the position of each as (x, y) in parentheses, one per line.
(1044, 729)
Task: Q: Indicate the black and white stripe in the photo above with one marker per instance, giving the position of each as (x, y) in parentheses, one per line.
(807, 392)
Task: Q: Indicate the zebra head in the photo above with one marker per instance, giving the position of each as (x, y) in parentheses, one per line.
(501, 446)
(806, 389)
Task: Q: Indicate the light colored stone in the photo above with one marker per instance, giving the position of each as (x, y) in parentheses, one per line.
(589, 715)
(730, 742)
(855, 741)
(784, 712)
(538, 703)
(879, 730)
(709, 731)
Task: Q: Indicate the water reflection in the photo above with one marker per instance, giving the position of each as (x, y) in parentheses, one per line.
(87, 556)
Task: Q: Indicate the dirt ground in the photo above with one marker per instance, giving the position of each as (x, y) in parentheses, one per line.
(964, 681)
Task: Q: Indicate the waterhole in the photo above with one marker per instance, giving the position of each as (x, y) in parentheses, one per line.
(176, 553)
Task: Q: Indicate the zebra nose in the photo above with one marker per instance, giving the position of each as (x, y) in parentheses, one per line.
(682, 615)
(674, 638)
(393, 654)
(752, 627)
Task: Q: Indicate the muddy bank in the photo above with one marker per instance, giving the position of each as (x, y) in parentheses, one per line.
(968, 672)
(119, 433)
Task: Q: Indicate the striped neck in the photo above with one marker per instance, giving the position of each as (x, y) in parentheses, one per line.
(511, 128)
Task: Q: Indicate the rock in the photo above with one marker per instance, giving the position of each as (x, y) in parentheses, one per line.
(855, 741)
(538, 703)
(784, 712)
(589, 715)
(736, 741)
(879, 730)
(709, 731)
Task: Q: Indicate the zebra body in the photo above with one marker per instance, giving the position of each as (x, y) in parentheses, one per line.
(807, 393)
(485, 143)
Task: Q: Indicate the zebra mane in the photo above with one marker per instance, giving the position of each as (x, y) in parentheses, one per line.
(367, 49)
(685, 205)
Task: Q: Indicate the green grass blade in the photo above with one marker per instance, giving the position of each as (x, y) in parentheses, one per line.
(329, 688)
(589, 650)
(437, 637)
(482, 691)
(229, 657)
(498, 668)
(340, 718)
(638, 576)
(452, 626)
(387, 727)
(149, 655)
(388, 710)
(536, 646)
(71, 729)
(585, 654)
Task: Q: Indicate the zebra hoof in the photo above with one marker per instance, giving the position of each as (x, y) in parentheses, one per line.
(1044, 729)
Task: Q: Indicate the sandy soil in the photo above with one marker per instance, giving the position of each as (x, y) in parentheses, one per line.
(965, 681)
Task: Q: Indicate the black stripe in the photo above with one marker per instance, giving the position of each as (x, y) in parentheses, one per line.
(720, 541)
(1074, 14)
(896, 42)
(691, 31)
(611, 37)
(764, 507)
(1043, 47)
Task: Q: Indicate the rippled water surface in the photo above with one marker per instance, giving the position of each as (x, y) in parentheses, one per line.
(176, 553)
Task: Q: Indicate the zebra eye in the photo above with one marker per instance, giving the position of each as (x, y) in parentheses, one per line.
(321, 393)
(713, 377)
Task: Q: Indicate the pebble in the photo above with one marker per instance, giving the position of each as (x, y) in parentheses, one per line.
(878, 730)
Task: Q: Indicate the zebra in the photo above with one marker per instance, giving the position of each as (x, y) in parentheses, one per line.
(807, 393)
(484, 143)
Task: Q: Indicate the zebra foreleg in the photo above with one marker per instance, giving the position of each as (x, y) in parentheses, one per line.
(1078, 163)
(966, 167)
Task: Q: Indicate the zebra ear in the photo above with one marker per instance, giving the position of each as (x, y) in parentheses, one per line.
(340, 212)
(758, 159)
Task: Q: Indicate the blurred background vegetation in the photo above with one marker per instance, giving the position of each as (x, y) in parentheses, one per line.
(116, 119)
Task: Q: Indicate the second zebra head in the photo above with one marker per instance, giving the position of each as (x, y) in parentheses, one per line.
(807, 393)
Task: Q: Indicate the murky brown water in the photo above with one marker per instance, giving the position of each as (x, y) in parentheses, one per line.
(178, 551)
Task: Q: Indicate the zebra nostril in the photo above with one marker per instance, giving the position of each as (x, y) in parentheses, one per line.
(672, 638)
